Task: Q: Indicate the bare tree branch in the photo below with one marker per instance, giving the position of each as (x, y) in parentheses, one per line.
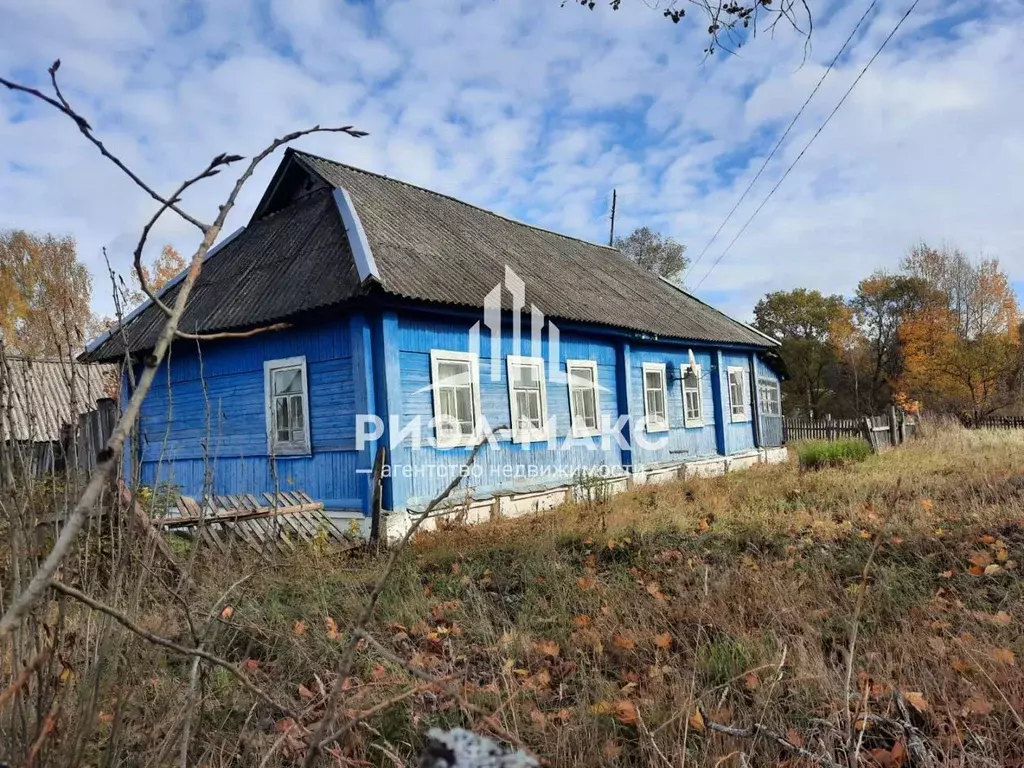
(170, 645)
(86, 129)
(107, 459)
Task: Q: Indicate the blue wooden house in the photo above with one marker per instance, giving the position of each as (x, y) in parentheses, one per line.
(425, 324)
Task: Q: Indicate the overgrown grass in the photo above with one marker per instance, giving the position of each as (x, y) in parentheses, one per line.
(593, 634)
(816, 454)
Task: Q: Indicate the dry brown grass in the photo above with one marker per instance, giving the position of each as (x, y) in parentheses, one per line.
(735, 594)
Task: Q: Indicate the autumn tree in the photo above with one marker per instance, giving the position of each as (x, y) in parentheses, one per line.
(882, 303)
(165, 267)
(44, 294)
(962, 349)
(812, 329)
(656, 253)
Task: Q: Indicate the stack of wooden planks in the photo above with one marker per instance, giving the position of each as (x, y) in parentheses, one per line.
(265, 525)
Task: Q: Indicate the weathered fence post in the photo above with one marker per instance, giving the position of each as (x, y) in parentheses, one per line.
(893, 435)
(869, 433)
(903, 427)
(376, 498)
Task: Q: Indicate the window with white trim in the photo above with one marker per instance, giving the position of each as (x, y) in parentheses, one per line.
(455, 381)
(655, 398)
(768, 395)
(693, 406)
(527, 398)
(738, 393)
(287, 402)
(583, 409)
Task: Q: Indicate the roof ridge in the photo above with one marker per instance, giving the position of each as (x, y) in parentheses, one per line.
(453, 199)
(49, 359)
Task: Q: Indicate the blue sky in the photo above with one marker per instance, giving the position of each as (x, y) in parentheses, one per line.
(538, 111)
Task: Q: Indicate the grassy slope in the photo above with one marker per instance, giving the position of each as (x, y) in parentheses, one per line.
(736, 592)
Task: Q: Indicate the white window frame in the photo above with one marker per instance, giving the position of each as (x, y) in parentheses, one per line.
(766, 383)
(273, 447)
(687, 420)
(438, 356)
(580, 429)
(520, 435)
(655, 426)
(744, 414)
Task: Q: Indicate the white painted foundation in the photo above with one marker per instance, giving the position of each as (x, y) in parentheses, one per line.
(511, 504)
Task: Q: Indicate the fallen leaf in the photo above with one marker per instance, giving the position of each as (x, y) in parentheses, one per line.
(696, 720)
(378, 672)
(793, 737)
(987, 539)
(703, 526)
(623, 642)
(251, 665)
(581, 621)
(227, 612)
(625, 712)
(992, 569)
(1004, 656)
(978, 705)
(663, 641)
(865, 534)
(105, 718)
(305, 693)
(1002, 556)
(976, 570)
(332, 629)
(927, 504)
(586, 582)
(916, 700)
(1002, 618)
(299, 627)
(948, 574)
(980, 559)
(546, 648)
(654, 590)
(751, 681)
(612, 544)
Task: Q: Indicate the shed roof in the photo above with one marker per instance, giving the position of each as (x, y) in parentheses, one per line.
(38, 396)
(295, 256)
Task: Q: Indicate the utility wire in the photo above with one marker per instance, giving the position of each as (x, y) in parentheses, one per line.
(782, 138)
(811, 141)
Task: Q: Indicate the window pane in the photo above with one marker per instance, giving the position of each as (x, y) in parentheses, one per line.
(446, 401)
(525, 376)
(589, 409)
(652, 379)
(464, 404)
(281, 415)
(581, 377)
(454, 372)
(296, 412)
(690, 379)
(287, 381)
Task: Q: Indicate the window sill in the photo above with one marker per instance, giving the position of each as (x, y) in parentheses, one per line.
(694, 425)
(300, 454)
(531, 437)
(580, 433)
(656, 429)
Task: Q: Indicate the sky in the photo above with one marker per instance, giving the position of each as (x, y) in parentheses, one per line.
(538, 110)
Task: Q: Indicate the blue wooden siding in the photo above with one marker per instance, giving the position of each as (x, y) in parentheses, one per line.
(182, 426)
(509, 465)
(739, 435)
(680, 443)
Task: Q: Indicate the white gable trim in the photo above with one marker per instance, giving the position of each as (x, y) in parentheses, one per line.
(356, 236)
(167, 286)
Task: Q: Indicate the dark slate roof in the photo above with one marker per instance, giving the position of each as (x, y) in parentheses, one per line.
(42, 394)
(295, 257)
(432, 247)
(291, 261)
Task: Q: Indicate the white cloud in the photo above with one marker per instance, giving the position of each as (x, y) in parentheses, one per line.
(538, 111)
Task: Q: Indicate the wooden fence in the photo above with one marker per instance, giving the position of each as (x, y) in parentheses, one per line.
(995, 422)
(880, 431)
(77, 449)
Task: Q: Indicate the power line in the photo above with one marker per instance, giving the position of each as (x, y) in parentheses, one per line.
(782, 138)
(811, 141)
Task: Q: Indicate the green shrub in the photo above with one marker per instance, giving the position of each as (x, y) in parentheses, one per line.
(822, 453)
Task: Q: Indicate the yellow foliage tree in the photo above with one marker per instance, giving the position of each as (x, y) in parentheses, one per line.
(164, 268)
(44, 295)
(961, 351)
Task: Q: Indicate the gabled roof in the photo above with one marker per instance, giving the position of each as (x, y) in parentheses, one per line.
(421, 245)
(39, 395)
